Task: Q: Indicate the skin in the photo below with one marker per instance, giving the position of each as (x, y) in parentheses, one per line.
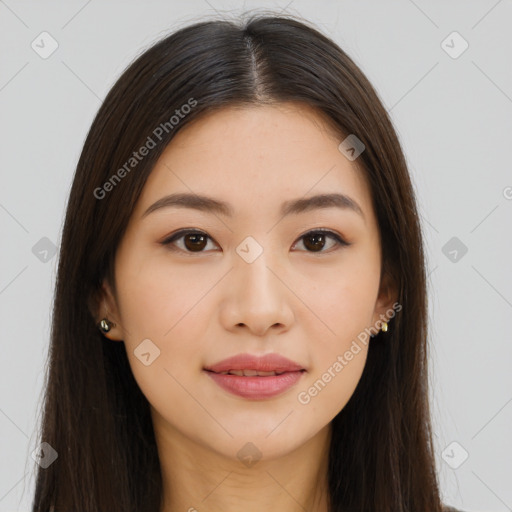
(199, 308)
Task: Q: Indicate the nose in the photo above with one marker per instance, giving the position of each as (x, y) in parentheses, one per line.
(257, 297)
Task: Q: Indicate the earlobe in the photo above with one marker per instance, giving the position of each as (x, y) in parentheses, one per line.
(386, 302)
(107, 314)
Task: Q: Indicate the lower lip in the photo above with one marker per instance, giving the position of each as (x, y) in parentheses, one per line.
(256, 388)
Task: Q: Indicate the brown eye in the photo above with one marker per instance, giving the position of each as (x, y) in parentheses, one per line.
(193, 241)
(315, 241)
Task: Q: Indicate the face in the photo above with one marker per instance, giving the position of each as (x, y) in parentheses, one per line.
(250, 278)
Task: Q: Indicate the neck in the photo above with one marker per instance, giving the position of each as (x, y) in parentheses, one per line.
(195, 478)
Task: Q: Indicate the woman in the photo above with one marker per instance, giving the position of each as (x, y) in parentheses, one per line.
(240, 317)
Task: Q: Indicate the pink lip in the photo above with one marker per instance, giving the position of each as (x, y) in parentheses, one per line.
(266, 363)
(256, 387)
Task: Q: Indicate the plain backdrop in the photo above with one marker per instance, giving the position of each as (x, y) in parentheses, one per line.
(442, 69)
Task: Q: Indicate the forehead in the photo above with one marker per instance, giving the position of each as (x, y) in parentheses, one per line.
(256, 157)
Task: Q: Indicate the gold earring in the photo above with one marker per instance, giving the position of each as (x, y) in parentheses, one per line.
(105, 325)
(384, 327)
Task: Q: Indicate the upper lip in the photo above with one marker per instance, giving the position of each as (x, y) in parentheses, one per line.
(266, 363)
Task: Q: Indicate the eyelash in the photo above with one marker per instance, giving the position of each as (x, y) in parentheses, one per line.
(180, 234)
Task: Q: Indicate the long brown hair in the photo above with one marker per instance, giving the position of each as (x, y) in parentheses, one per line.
(94, 414)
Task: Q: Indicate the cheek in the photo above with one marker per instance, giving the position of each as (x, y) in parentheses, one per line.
(337, 353)
(343, 303)
(155, 298)
(343, 298)
(167, 306)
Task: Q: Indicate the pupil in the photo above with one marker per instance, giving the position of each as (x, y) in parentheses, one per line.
(317, 239)
(197, 241)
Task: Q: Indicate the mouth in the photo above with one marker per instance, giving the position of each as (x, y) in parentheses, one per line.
(255, 384)
(255, 365)
(252, 373)
(255, 377)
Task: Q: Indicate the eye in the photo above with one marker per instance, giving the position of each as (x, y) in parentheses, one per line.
(195, 241)
(315, 240)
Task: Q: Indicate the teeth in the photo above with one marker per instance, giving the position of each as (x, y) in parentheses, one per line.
(264, 374)
(250, 373)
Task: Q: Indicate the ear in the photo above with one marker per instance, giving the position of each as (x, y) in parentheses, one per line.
(105, 306)
(387, 297)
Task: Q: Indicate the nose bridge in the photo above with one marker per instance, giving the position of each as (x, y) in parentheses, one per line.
(253, 266)
(258, 289)
(256, 296)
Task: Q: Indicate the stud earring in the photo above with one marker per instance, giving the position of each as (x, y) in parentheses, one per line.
(384, 327)
(105, 325)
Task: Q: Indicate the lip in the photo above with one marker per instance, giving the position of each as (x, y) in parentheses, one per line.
(266, 363)
(256, 387)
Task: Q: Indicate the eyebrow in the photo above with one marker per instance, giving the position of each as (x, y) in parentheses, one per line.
(295, 206)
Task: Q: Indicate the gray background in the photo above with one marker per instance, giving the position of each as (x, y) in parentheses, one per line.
(453, 117)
